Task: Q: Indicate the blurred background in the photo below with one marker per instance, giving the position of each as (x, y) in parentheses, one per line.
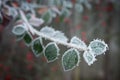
(17, 62)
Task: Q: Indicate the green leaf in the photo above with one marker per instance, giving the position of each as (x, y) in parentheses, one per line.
(89, 57)
(27, 38)
(47, 17)
(28, 16)
(18, 18)
(64, 13)
(70, 59)
(37, 46)
(51, 52)
(98, 47)
(19, 31)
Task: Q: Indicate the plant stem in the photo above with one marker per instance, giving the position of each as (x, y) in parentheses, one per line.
(34, 31)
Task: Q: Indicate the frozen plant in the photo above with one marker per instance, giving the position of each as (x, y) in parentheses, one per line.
(26, 29)
(71, 57)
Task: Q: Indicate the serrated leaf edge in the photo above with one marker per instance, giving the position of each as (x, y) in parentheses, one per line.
(77, 62)
(101, 41)
(57, 39)
(49, 29)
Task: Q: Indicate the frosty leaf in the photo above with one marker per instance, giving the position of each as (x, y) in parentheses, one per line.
(25, 26)
(26, 22)
(70, 59)
(78, 8)
(27, 38)
(56, 10)
(47, 17)
(98, 47)
(25, 6)
(51, 52)
(53, 14)
(67, 4)
(12, 12)
(56, 35)
(77, 42)
(59, 36)
(55, 2)
(18, 30)
(36, 21)
(28, 16)
(37, 46)
(65, 12)
(89, 57)
(47, 31)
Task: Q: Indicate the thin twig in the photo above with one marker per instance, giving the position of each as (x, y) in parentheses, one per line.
(34, 31)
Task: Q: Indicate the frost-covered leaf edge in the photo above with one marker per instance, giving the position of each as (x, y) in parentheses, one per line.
(56, 48)
(78, 58)
(21, 26)
(50, 16)
(61, 35)
(47, 28)
(101, 41)
(93, 60)
(53, 34)
(40, 39)
(30, 36)
(82, 42)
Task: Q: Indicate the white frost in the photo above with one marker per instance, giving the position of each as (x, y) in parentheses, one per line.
(78, 42)
(89, 57)
(49, 31)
